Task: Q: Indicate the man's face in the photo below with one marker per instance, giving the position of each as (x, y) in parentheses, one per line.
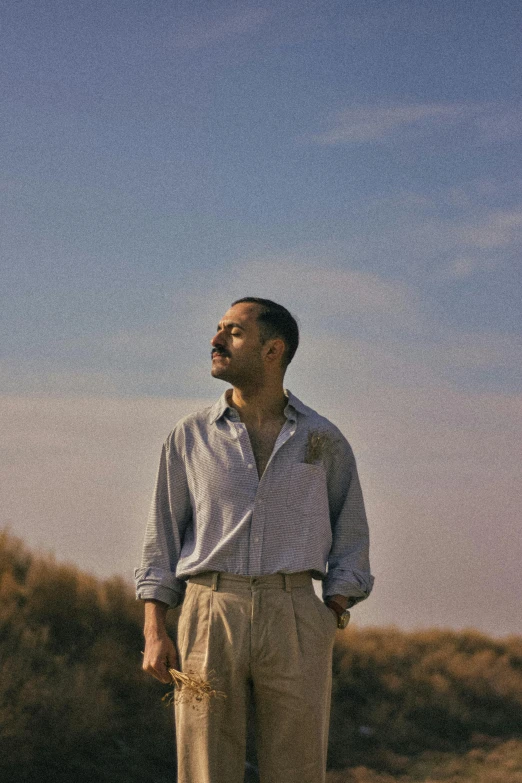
(237, 347)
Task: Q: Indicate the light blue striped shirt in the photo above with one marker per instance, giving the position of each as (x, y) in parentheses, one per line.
(211, 511)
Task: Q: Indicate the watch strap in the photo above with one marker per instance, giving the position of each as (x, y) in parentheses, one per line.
(335, 606)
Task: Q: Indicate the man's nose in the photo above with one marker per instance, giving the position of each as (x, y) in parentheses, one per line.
(217, 339)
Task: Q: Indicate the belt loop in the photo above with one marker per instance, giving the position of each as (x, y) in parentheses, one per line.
(215, 580)
(288, 583)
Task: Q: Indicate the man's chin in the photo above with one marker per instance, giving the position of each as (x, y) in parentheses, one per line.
(218, 372)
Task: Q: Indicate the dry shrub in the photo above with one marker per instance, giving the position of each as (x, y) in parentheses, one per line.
(75, 704)
(502, 764)
(407, 692)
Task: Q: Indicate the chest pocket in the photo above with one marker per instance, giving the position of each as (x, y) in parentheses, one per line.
(307, 491)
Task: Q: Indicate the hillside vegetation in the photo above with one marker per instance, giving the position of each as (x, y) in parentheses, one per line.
(75, 705)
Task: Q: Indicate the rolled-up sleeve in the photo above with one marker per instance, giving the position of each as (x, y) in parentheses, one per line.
(169, 514)
(348, 563)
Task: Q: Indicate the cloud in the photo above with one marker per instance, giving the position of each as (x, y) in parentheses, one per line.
(478, 239)
(484, 192)
(497, 229)
(392, 365)
(460, 268)
(208, 32)
(482, 239)
(386, 333)
(487, 122)
(447, 234)
(333, 292)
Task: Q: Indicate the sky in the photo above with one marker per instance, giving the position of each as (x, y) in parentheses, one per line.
(358, 162)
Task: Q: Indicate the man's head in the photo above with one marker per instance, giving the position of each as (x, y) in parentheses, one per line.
(255, 336)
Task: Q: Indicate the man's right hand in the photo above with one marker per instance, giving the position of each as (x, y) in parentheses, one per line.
(160, 653)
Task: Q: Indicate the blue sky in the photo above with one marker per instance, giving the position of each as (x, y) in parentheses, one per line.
(360, 163)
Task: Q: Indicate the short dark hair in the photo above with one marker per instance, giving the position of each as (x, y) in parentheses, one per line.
(275, 321)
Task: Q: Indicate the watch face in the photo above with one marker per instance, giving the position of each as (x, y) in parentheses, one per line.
(343, 620)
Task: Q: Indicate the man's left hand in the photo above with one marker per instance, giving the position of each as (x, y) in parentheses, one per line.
(339, 599)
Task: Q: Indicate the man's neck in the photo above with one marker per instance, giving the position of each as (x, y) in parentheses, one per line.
(259, 406)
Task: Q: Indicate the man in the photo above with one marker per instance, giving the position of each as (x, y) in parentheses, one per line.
(254, 497)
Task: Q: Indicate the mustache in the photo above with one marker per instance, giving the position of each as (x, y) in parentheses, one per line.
(219, 351)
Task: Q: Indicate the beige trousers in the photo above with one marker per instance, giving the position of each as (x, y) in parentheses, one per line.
(270, 636)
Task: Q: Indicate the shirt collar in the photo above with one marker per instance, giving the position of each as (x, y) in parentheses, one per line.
(222, 408)
(219, 408)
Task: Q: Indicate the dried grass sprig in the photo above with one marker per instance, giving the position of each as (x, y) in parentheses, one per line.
(190, 687)
(318, 444)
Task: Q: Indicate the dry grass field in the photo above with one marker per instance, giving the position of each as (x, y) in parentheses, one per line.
(75, 706)
(501, 763)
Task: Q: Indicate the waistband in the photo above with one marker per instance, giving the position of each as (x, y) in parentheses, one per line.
(219, 580)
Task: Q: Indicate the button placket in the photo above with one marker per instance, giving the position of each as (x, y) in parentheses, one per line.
(257, 522)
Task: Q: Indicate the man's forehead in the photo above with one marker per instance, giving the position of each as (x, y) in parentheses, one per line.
(240, 314)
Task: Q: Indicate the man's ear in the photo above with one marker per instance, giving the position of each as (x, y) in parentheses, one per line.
(275, 349)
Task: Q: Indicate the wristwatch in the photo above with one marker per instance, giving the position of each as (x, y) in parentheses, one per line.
(343, 615)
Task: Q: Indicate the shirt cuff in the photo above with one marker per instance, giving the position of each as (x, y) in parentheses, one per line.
(157, 585)
(355, 586)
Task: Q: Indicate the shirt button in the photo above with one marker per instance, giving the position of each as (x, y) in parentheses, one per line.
(250, 466)
(256, 539)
